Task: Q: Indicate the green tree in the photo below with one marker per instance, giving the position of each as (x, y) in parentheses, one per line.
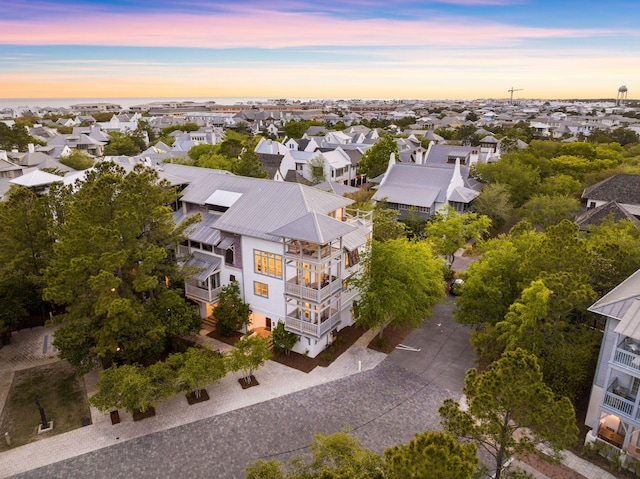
(16, 137)
(296, 129)
(251, 352)
(386, 225)
(133, 387)
(494, 201)
(561, 185)
(494, 281)
(399, 282)
(195, 152)
(231, 313)
(196, 368)
(511, 411)
(217, 162)
(110, 268)
(375, 160)
(543, 321)
(26, 244)
(431, 455)
(121, 144)
(615, 252)
(545, 210)
(337, 456)
(78, 160)
(283, 341)
(316, 166)
(249, 164)
(449, 230)
(521, 179)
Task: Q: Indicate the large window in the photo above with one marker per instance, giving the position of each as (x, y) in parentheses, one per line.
(261, 289)
(269, 264)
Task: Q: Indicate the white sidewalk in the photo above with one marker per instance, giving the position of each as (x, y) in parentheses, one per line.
(275, 380)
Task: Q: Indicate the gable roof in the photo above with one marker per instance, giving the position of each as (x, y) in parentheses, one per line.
(612, 210)
(416, 185)
(623, 188)
(622, 303)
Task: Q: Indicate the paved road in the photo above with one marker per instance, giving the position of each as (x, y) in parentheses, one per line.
(384, 406)
(445, 353)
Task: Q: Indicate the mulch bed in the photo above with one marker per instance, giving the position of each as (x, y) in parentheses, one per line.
(392, 336)
(139, 415)
(344, 340)
(252, 382)
(556, 471)
(193, 399)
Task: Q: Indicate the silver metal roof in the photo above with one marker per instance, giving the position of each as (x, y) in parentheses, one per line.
(314, 228)
(265, 205)
(623, 303)
(205, 264)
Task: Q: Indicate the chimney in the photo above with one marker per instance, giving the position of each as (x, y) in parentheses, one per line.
(31, 148)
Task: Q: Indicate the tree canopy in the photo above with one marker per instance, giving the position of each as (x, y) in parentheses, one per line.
(449, 230)
(511, 411)
(375, 160)
(399, 282)
(111, 270)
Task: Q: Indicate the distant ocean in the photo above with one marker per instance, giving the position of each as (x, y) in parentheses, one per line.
(123, 102)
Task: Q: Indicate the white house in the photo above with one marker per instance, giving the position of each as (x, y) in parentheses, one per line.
(291, 247)
(424, 189)
(614, 406)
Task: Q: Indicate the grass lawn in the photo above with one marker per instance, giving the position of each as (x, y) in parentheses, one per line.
(62, 396)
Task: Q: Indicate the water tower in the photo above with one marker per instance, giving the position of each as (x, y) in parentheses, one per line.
(622, 95)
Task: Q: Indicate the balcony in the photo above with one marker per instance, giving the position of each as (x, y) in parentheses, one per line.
(628, 354)
(311, 292)
(202, 294)
(356, 215)
(307, 328)
(310, 253)
(618, 398)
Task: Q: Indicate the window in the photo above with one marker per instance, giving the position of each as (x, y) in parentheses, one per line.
(261, 289)
(269, 264)
(229, 255)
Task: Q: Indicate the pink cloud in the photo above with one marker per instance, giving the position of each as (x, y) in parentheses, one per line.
(268, 29)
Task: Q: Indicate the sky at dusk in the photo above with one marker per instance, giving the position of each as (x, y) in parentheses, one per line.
(302, 49)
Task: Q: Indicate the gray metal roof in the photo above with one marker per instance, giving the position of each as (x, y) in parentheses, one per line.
(204, 231)
(264, 206)
(415, 185)
(461, 194)
(205, 264)
(356, 238)
(314, 228)
(623, 303)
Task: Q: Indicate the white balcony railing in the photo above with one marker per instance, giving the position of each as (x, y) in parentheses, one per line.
(313, 294)
(202, 294)
(308, 328)
(620, 404)
(626, 358)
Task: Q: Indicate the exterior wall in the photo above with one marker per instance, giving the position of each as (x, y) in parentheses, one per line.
(593, 410)
(272, 307)
(609, 342)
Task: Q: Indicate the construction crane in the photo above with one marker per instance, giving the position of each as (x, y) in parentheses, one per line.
(511, 91)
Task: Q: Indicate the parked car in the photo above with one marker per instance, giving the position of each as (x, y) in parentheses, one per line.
(455, 286)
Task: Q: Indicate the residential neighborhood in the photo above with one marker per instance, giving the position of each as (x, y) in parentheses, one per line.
(180, 248)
